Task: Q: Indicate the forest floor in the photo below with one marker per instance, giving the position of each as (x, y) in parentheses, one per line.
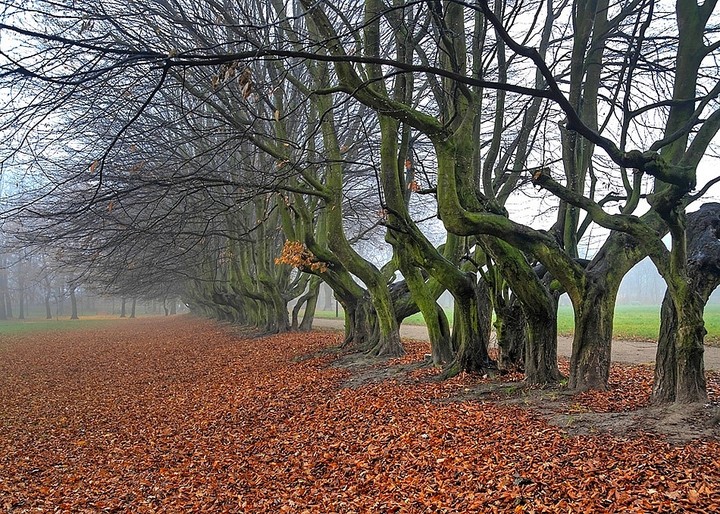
(186, 415)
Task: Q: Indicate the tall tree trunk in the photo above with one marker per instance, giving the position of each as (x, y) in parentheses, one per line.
(679, 368)
(388, 330)
(539, 308)
(311, 299)
(665, 380)
(295, 314)
(435, 318)
(279, 311)
(471, 333)
(511, 332)
(361, 330)
(388, 344)
(594, 308)
(122, 307)
(48, 309)
(132, 307)
(439, 330)
(689, 350)
(590, 359)
(541, 349)
(73, 304)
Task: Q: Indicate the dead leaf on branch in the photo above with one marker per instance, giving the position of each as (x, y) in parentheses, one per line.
(245, 83)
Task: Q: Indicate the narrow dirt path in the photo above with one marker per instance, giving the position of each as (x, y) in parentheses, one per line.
(633, 352)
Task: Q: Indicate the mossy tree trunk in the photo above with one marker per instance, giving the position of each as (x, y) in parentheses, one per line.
(410, 245)
(511, 332)
(691, 270)
(665, 377)
(590, 358)
(472, 320)
(679, 368)
(436, 320)
(541, 365)
(309, 300)
(689, 349)
(388, 330)
(539, 307)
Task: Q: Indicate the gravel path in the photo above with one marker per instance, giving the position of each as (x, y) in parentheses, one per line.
(635, 352)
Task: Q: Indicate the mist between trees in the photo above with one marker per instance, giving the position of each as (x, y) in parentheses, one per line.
(238, 154)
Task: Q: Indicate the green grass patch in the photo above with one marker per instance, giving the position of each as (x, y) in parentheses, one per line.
(16, 326)
(631, 322)
(327, 314)
(712, 324)
(640, 322)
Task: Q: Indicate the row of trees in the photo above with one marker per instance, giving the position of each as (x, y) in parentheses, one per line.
(36, 285)
(251, 151)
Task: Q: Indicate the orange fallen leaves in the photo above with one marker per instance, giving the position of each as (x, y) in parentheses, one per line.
(183, 416)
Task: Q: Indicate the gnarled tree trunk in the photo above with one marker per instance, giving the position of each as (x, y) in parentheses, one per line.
(511, 332)
(471, 332)
(679, 368)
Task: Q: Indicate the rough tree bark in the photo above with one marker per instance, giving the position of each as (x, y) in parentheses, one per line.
(676, 358)
(511, 331)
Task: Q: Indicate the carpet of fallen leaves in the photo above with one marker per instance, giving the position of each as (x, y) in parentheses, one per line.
(182, 415)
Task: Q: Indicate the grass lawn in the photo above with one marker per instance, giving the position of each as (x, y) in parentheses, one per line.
(641, 322)
(632, 322)
(16, 326)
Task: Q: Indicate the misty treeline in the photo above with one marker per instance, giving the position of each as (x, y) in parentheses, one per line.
(35, 284)
(245, 152)
(29, 283)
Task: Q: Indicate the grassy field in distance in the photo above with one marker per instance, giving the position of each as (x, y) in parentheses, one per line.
(19, 326)
(641, 322)
(632, 322)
